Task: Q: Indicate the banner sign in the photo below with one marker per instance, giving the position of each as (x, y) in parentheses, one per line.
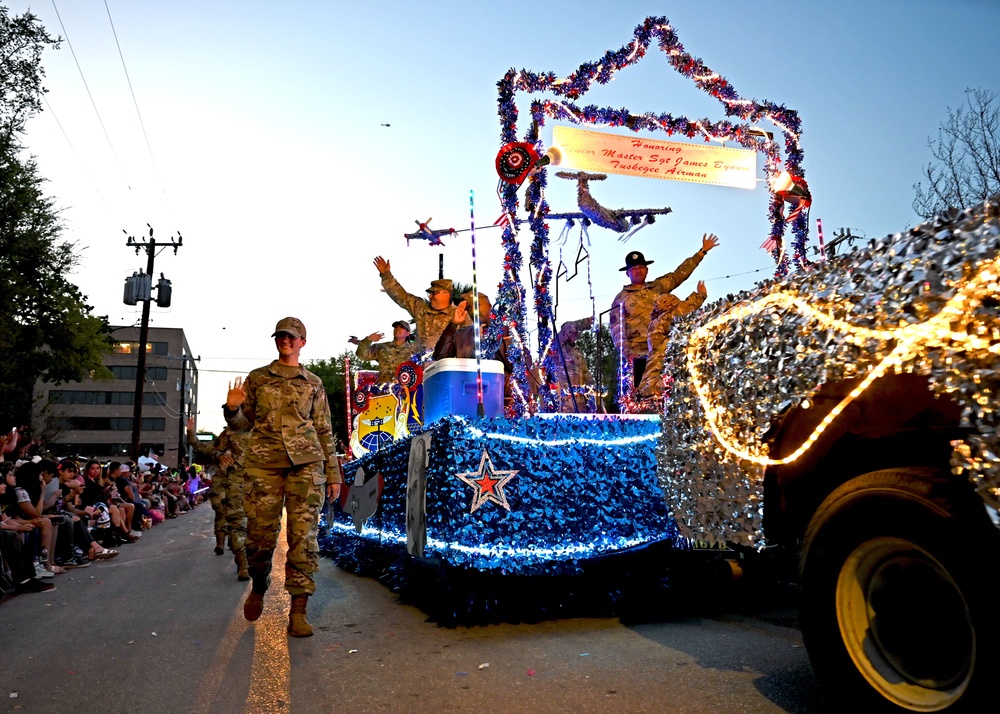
(598, 152)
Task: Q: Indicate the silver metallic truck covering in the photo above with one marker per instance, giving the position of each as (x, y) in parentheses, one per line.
(926, 301)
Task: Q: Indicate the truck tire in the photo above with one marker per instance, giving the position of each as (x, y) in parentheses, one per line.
(898, 571)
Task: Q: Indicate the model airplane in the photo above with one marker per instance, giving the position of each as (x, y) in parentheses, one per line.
(425, 232)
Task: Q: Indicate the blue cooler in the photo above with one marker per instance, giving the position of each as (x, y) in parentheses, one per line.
(450, 388)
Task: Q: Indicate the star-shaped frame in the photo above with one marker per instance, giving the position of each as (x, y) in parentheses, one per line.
(487, 483)
(563, 106)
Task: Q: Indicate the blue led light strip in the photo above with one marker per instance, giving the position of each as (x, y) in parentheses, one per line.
(623, 441)
(579, 549)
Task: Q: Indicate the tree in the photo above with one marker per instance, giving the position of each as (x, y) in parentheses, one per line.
(331, 371)
(607, 372)
(458, 289)
(22, 41)
(47, 330)
(967, 157)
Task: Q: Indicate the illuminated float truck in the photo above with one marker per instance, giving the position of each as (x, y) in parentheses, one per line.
(849, 414)
(536, 497)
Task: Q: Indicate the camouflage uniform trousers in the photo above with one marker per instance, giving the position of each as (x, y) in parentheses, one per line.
(235, 514)
(300, 491)
(216, 496)
(571, 361)
(665, 309)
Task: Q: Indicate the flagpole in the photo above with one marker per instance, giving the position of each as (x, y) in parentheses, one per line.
(480, 409)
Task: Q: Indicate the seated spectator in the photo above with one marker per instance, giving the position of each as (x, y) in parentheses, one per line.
(115, 499)
(27, 507)
(54, 509)
(143, 517)
(72, 487)
(152, 490)
(175, 490)
(72, 491)
(94, 494)
(19, 559)
(123, 486)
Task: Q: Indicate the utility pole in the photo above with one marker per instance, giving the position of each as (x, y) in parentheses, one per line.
(139, 287)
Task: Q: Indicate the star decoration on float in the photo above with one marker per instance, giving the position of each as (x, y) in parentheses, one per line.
(487, 483)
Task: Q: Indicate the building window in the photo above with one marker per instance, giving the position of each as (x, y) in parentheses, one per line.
(123, 372)
(132, 348)
(95, 423)
(82, 396)
(152, 373)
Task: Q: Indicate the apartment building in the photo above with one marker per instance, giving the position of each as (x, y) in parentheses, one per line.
(93, 418)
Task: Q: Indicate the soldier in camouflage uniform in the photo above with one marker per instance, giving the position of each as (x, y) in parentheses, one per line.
(389, 355)
(636, 300)
(571, 362)
(289, 461)
(217, 489)
(665, 309)
(227, 492)
(431, 315)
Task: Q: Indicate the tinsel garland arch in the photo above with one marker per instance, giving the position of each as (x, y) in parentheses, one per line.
(510, 308)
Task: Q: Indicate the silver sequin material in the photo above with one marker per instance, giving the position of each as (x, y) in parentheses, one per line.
(925, 301)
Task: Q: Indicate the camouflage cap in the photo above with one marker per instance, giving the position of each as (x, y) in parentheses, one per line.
(403, 324)
(442, 284)
(292, 325)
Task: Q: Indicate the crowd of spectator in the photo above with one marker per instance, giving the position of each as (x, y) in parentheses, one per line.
(61, 514)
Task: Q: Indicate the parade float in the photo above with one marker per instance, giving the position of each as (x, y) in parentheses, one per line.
(844, 413)
(469, 493)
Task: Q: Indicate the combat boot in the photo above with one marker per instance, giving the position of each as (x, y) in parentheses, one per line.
(253, 606)
(297, 624)
(220, 543)
(241, 565)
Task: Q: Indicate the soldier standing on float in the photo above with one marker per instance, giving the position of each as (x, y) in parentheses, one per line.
(572, 372)
(628, 329)
(389, 355)
(290, 456)
(665, 309)
(431, 315)
(226, 493)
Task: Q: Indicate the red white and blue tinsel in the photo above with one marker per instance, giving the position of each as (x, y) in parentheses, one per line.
(567, 90)
(585, 497)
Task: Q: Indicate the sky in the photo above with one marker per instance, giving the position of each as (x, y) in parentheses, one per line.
(291, 143)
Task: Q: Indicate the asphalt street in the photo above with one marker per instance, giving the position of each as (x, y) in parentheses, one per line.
(160, 629)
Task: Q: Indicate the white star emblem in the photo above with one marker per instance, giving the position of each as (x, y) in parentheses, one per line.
(487, 483)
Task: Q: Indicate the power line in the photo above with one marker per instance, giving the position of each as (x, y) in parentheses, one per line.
(135, 102)
(69, 141)
(166, 408)
(87, 87)
(736, 275)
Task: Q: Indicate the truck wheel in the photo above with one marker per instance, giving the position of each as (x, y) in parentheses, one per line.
(896, 573)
